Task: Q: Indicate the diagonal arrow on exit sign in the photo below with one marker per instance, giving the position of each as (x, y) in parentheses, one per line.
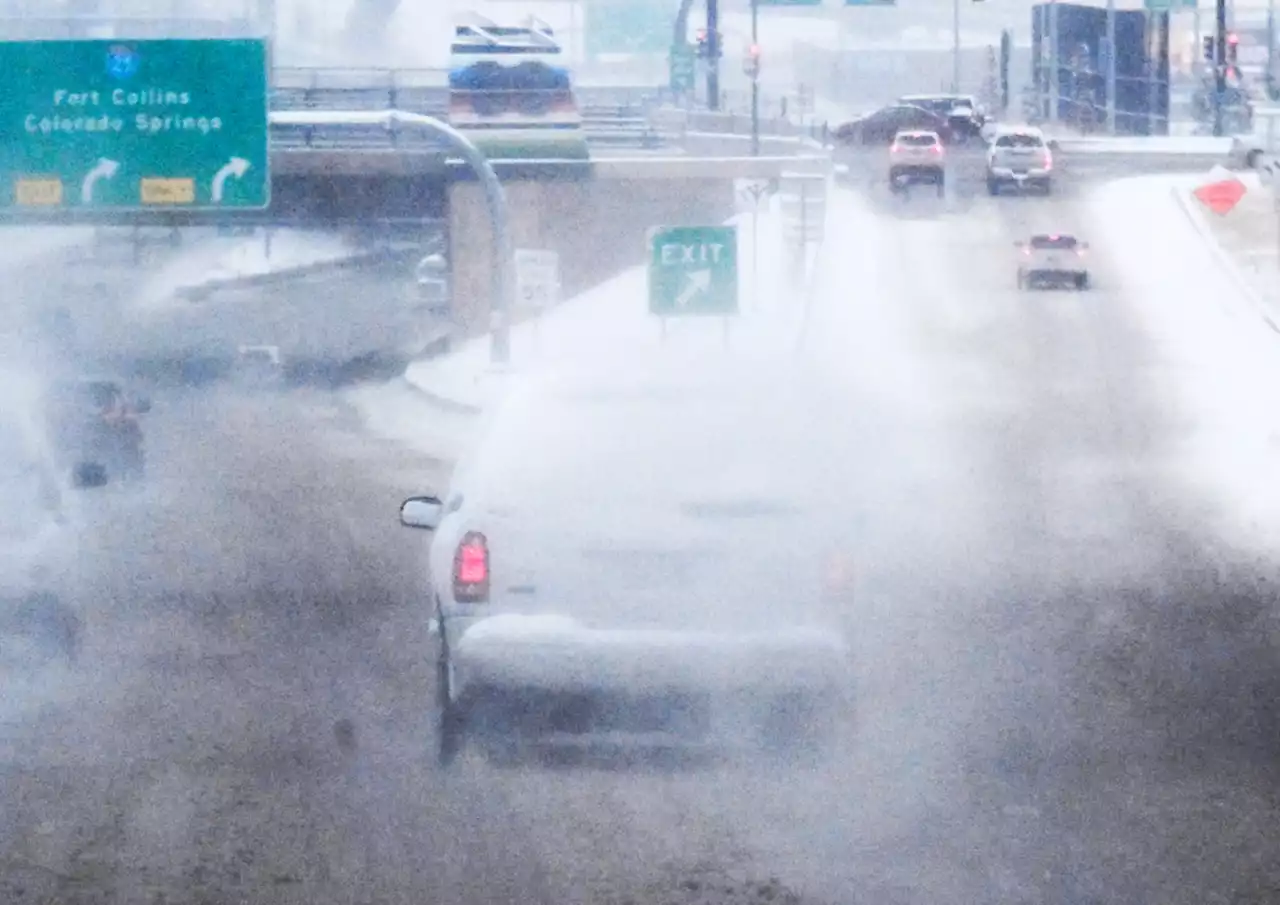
(698, 282)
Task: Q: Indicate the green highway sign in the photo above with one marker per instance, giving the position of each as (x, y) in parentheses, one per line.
(1163, 5)
(790, 2)
(683, 64)
(693, 270)
(114, 124)
(628, 26)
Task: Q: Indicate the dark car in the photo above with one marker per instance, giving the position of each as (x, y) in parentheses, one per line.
(878, 129)
(97, 430)
(961, 111)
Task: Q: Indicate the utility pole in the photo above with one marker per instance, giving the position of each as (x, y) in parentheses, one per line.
(1219, 67)
(755, 78)
(955, 46)
(713, 54)
(1055, 62)
(1271, 53)
(1111, 66)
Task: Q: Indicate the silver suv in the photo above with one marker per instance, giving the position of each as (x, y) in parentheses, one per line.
(1053, 260)
(1022, 158)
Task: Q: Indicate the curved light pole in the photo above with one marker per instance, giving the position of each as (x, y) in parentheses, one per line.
(681, 27)
(495, 198)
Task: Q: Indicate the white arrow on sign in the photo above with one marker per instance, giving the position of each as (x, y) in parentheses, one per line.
(103, 169)
(699, 282)
(751, 191)
(236, 167)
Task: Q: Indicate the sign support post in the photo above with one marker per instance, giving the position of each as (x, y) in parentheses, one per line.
(754, 63)
(755, 255)
(753, 192)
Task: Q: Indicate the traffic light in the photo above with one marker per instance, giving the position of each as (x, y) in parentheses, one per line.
(707, 44)
(1232, 45)
(751, 61)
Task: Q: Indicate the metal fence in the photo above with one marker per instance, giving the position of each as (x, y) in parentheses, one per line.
(381, 89)
(615, 116)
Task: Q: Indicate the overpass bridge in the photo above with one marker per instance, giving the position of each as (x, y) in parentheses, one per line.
(645, 169)
(338, 171)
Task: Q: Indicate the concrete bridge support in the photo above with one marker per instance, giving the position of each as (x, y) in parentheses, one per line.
(598, 227)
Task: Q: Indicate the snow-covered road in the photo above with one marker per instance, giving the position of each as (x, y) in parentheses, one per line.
(1054, 506)
(1049, 518)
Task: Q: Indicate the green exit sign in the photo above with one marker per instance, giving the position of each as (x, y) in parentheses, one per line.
(693, 270)
(114, 124)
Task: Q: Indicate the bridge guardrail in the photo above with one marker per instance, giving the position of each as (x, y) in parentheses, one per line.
(359, 136)
(622, 116)
(681, 123)
(389, 88)
(609, 118)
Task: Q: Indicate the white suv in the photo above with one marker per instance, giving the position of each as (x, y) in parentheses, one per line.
(1053, 260)
(917, 155)
(1019, 157)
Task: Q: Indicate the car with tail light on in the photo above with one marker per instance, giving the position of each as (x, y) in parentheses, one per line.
(1052, 260)
(1020, 158)
(917, 155)
(962, 111)
(96, 429)
(615, 596)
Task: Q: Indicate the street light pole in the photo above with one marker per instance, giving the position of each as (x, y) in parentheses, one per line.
(500, 274)
(755, 81)
(955, 46)
(713, 48)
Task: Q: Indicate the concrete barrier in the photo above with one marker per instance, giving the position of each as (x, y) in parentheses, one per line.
(204, 290)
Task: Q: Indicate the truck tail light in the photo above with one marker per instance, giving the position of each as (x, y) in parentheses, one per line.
(895, 148)
(471, 569)
(1048, 161)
